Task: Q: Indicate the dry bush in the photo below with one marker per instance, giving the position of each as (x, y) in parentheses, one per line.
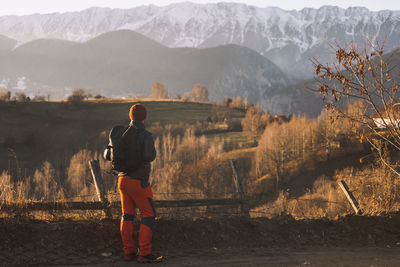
(376, 188)
(211, 175)
(21, 97)
(324, 200)
(253, 122)
(79, 181)
(283, 143)
(187, 96)
(44, 183)
(77, 96)
(284, 148)
(185, 167)
(236, 102)
(191, 149)
(199, 93)
(5, 95)
(6, 188)
(159, 91)
(164, 180)
(12, 192)
(272, 209)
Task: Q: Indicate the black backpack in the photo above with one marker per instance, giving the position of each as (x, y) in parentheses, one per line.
(124, 149)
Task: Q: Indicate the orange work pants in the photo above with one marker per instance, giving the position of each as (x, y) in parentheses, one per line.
(135, 193)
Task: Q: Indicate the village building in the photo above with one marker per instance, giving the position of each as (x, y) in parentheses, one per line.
(387, 117)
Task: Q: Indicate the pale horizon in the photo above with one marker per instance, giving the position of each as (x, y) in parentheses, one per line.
(29, 7)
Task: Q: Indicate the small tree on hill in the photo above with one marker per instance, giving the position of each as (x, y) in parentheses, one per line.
(5, 95)
(246, 103)
(21, 97)
(77, 96)
(200, 93)
(236, 102)
(227, 101)
(254, 122)
(159, 91)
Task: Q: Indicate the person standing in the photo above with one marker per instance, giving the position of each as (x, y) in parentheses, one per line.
(137, 153)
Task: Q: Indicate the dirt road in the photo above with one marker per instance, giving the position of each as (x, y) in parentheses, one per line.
(233, 241)
(325, 257)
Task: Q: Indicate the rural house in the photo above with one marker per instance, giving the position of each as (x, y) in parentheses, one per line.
(388, 117)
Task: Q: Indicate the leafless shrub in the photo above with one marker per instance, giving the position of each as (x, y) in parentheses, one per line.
(376, 188)
(6, 187)
(238, 102)
(12, 192)
(21, 97)
(324, 200)
(199, 93)
(254, 122)
(99, 96)
(77, 96)
(44, 183)
(191, 149)
(5, 95)
(79, 178)
(159, 91)
(286, 147)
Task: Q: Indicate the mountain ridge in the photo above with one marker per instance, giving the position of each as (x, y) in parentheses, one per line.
(125, 63)
(286, 37)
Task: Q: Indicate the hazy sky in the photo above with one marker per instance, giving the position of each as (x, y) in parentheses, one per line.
(22, 7)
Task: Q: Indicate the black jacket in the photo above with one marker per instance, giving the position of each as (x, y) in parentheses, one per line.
(148, 152)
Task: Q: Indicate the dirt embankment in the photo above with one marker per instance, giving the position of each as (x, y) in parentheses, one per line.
(98, 242)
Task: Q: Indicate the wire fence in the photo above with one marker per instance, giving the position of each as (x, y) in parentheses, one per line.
(190, 206)
(186, 204)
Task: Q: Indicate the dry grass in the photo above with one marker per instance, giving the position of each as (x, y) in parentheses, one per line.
(325, 200)
(376, 188)
(189, 165)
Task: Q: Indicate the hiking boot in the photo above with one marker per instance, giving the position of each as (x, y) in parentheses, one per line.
(131, 256)
(150, 258)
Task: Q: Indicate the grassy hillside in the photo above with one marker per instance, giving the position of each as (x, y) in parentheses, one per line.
(34, 132)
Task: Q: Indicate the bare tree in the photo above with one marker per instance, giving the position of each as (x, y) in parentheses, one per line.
(199, 93)
(254, 122)
(159, 91)
(5, 95)
(77, 96)
(236, 102)
(368, 76)
(21, 97)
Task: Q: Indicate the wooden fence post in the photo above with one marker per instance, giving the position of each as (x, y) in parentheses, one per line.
(243, 207)
(99, 185)
(350, 197)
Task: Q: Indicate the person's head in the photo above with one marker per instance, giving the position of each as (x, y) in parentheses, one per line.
(137, 112)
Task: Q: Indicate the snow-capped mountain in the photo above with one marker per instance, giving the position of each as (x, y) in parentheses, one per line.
(288, 38)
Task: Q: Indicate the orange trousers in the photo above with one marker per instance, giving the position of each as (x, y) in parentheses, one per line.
(136, 193)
